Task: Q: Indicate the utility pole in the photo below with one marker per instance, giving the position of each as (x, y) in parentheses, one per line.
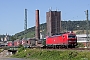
(87, 25)
(25, 25)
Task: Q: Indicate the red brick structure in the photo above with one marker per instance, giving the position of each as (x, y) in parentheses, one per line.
(53, 20)
(37, 28)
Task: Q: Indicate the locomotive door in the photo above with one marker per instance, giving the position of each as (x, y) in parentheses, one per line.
(64, 40)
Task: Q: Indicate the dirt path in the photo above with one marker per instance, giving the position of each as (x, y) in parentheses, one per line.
(12, 59)
(4, 54)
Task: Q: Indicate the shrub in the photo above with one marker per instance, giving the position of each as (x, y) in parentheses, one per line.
(41, 54)
(21, 49)
(80, 45)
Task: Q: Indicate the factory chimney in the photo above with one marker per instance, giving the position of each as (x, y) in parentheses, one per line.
(37, 28)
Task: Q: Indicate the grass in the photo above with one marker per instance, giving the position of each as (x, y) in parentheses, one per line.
(1, 50)
(81, 31)
(41, 54)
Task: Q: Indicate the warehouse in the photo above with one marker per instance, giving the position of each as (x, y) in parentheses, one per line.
(82, 38)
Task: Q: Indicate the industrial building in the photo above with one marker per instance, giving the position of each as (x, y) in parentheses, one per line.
(53, 20)
(82, 38)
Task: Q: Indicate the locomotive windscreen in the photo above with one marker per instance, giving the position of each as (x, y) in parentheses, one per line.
(71, 36)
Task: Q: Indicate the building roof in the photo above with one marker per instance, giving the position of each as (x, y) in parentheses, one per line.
(82, 38)
(82, 35)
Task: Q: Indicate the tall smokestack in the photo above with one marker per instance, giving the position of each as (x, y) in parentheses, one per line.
(37, 28)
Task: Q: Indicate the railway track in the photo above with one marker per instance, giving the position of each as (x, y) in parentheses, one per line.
(60, 48)
(63, 49)
(80, 48)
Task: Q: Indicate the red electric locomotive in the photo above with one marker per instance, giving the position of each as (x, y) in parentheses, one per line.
(68, 39)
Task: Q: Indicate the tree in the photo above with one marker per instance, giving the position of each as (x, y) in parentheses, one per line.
(12, 38)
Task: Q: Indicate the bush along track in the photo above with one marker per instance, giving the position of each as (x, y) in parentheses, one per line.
(41, 54)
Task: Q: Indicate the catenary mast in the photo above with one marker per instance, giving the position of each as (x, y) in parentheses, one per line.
(87, 25)
(25, 25)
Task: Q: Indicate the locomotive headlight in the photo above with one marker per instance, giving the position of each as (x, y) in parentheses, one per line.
(69, 41)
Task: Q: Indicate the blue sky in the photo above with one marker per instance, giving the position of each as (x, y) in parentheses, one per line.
(12, 12)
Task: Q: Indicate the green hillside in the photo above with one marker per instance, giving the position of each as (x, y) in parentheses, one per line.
(30, 33)
(77, 26)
